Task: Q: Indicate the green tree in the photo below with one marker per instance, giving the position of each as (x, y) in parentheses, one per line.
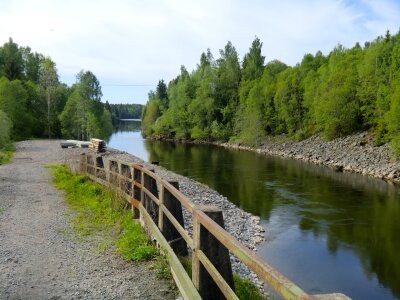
(253, 62)
(13, 101)
(5, 129)
(161, 93)
(11, 61)
(338, 110)
(226, 91)
(48, 79)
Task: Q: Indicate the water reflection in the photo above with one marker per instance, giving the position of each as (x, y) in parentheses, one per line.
(327, 231)
(340, 229)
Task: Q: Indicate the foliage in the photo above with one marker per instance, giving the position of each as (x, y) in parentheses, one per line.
(84, 116)
(161, 267)
(344, 92)
(5, 129)
(99, 211)
(6, 153)
(124, 111)
(33, 98)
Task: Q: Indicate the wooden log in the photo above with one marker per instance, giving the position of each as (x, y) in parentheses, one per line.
(217, 253)
(171, 234)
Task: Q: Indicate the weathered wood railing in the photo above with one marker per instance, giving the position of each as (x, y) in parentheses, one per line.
(158, 203)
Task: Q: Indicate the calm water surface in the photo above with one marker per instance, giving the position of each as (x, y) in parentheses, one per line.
(326, 231)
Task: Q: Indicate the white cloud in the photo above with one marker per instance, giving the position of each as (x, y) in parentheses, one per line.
(139, 42)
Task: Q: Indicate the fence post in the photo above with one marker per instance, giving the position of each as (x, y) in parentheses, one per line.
(215, 251)
(151, 185)
(82, 167)
(136, 192)
(171, 234)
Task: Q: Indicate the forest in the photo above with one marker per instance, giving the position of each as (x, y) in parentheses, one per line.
(228, 99)
(34, 103)
(124, 111)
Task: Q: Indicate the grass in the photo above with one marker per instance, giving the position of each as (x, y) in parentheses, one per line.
(245, 289)
(6, 154)
(99, 211)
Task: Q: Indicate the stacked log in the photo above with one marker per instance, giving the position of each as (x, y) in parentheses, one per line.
(97, 145)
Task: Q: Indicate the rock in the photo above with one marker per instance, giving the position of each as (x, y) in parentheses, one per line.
(338, 168)
(394, 174)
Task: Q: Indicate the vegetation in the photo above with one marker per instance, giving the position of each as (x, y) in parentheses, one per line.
(335, 95)
(6, 153)
(34, 103)
(99, 210)
(124, 111)
(245, 289)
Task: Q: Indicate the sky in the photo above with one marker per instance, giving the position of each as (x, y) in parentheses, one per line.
(131, 44)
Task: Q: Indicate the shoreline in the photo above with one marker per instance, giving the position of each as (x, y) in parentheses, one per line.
(354, 153)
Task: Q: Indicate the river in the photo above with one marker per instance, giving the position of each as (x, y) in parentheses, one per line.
(326, 231)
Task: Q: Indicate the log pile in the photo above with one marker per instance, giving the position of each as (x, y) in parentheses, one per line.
(97, 145)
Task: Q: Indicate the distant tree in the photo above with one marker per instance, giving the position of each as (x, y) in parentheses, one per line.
(89, 85)
(13, 101)
(48, 81)
(32, 64)
(161, 93)
(253, 62)
(12, 64)
(5, 129)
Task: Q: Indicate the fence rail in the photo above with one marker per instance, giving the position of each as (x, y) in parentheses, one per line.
(158, 203)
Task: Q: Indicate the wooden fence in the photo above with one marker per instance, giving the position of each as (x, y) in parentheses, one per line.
(158, 204)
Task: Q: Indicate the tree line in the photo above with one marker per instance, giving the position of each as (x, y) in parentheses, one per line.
(124, 111)
(337, 94)
(34, 103)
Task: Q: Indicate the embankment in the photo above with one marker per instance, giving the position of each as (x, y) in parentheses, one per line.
(354, 153)
(242, 225)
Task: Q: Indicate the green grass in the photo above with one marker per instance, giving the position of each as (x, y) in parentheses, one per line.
(6, 154)
(99, 211)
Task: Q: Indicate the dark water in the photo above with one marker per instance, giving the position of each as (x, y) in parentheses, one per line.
(326, 231)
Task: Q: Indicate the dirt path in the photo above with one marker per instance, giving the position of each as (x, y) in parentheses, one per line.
(39, 256)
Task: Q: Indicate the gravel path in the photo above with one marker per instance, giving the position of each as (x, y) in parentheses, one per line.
(40, 258)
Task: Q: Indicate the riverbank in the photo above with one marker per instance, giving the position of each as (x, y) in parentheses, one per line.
(244, 226)
(354, 153)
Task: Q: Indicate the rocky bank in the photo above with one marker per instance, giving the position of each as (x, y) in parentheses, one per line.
(354, 153)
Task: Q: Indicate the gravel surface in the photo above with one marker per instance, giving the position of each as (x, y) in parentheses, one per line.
(40, 258)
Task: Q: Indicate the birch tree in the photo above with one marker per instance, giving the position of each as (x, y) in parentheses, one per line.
(48, 81)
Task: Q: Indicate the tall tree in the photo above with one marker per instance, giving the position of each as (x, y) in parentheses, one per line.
(253, 62)
(89, 85)
(48, 81)
(161, 93)
(11, 61)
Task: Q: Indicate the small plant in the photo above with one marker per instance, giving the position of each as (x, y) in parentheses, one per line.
(161, 267)
(6, 153)
(99, 210)
(245, 289)
(133, 243)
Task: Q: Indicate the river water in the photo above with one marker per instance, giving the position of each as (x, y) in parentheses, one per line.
(328, 232)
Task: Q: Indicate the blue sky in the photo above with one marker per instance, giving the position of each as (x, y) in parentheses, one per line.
(130, 45)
